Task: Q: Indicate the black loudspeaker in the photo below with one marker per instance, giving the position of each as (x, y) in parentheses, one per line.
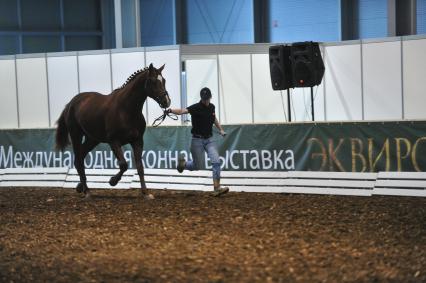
(280, 67)
(306, 64)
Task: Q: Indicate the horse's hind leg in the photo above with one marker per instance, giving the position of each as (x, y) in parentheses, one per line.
(76, 140)
(86, 147)
(80, 152)
(121, 162)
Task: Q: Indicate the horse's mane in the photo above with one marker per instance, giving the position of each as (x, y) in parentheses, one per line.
(132, 77)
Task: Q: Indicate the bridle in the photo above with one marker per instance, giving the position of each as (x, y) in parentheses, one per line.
(156, 98)
(166, 113)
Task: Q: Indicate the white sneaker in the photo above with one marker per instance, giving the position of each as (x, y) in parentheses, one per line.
(220, 191)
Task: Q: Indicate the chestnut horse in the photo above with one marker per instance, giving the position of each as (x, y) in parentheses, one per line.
(91, 118)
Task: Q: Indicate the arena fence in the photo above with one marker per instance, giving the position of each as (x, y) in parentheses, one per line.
(336, 183)
(33, 177)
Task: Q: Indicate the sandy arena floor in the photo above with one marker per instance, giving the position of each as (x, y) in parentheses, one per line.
(52, 235)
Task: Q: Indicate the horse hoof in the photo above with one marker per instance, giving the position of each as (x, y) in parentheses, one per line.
(113, 181)
(148, 196)
(87, 196)
(79, 188)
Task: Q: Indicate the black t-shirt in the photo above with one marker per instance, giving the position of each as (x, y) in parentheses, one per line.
(203, 118)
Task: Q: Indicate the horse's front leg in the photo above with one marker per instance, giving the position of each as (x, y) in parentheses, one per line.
(116, 148)
(137, 156)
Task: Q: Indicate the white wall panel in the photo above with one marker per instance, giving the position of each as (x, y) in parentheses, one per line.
(319, 102)
(235, 89)
(201, 73)
(301, 104)
(269, 105)
(125, 64)
(172, 75)
(414, 58)
(95, 73)
(342, 78)
(8, 103)
(319, 96)
(382, 80)
(63, 83)
(32, 93)
(344, 90)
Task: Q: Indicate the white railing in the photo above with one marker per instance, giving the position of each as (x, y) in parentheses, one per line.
(304, 182)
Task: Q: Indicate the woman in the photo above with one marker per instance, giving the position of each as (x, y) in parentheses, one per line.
(203, 117)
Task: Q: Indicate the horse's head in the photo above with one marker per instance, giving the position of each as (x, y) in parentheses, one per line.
(155, 86)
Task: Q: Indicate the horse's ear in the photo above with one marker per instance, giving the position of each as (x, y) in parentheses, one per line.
(151, 68)
(161, 68)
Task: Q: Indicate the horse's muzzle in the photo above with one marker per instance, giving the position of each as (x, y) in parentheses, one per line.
(165, 101)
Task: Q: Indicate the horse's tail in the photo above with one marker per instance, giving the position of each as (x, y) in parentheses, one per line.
(62, 139)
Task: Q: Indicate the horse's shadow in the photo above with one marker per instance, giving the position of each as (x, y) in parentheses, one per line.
(163, 195)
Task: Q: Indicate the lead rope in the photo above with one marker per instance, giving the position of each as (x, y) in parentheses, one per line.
(162, 117)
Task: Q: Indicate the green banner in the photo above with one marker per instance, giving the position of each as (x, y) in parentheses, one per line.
(350, 147)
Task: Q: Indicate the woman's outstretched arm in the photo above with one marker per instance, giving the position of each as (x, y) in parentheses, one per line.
(178, 111)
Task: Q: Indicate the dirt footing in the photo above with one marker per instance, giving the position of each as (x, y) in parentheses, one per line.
(53, 235)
